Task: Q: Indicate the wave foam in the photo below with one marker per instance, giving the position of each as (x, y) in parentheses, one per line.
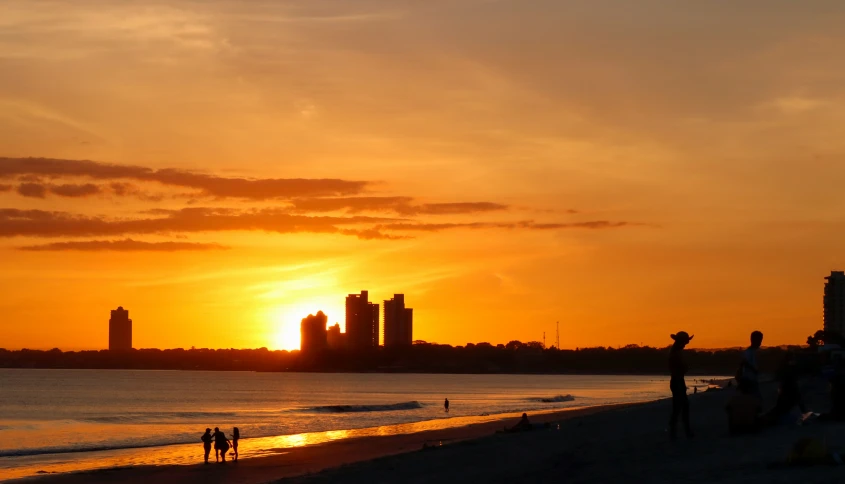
(554, 399)
(391, 407)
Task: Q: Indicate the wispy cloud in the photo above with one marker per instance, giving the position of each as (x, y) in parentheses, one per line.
(205, 184)
(125, 245)
(526, 224)
(39, 223)
(399, 205)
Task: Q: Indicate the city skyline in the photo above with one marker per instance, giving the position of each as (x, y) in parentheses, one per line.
(217, 164)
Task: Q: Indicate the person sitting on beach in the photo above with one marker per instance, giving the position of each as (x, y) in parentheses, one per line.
(748, 370)
(206, 443)
(677, 370)
(521, 426)
(789, 394)
(236, 435)
(221, 444)
(743, 411)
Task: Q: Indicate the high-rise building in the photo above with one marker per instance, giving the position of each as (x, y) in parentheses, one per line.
(834, 303)
(313, 333)
(362, 322)
(398, 322)
(120, 330)
(334, 338)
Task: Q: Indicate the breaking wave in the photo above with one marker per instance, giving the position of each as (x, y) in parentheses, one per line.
(554, 399)
(392, 407)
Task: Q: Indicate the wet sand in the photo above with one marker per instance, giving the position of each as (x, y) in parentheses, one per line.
(622, 444)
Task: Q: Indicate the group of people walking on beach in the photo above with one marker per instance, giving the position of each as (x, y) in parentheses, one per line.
(221, 444)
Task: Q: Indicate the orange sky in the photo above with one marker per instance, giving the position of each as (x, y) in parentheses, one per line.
(627, 170)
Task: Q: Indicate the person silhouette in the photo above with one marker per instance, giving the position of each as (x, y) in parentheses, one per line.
(236, 435)
(446, 405)
(677, 370)
(206, 443)
(748, 378)
(216, 444)
(221, 444)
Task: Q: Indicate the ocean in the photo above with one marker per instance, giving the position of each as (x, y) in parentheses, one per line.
(66, 420)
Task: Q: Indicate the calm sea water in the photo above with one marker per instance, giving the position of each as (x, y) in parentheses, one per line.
(62, 420)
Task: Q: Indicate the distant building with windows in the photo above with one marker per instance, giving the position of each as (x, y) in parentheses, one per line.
(313, 333)
(362, 322)
(398, 322)
(834, 303)
(120, 330)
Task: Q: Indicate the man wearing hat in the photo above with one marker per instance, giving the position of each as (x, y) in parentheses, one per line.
(678, 368)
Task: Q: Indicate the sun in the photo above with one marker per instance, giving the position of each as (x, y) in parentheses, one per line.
(287, 319)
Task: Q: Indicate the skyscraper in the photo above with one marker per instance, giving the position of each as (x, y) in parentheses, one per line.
(834, 303)
(120, 330)
(313, 333)
(362, 322)
(398, 322)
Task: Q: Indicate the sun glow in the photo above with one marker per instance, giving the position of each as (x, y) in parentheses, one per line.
(287, 320)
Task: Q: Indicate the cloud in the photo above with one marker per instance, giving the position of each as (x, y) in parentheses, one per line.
(125, 245)
(40, 190)
(373, 234)
(5, 188)
(399, 205)
(528, 224)
(32, 190)
(73, 190)
(209, 185)
(40, 223)
(122, 189)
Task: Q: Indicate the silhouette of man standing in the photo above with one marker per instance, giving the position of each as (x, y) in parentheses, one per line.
(446, 405)
(677, 369)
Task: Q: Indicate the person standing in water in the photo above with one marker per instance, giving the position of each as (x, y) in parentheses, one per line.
(236, 435)
(206, 443)
(677, 369)
(446, 405)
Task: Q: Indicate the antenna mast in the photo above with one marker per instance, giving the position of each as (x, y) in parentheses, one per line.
(557, 335)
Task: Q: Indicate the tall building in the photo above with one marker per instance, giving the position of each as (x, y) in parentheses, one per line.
(120, 330)
(362, 322)
(313, 333)
(334, 338)
(834, 303)
(398, 322)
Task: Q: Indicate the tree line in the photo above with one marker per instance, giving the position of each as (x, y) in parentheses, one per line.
(422, 357)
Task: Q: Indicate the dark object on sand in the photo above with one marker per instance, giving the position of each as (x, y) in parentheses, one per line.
(789, 395)
(744, 413)
(446, 405)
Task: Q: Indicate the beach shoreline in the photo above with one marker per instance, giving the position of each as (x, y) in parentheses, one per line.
(283, 462)
(610, 443)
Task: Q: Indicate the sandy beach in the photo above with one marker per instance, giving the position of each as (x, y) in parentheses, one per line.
(599, 444)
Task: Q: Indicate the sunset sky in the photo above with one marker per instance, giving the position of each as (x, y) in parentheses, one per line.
(223, 168)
